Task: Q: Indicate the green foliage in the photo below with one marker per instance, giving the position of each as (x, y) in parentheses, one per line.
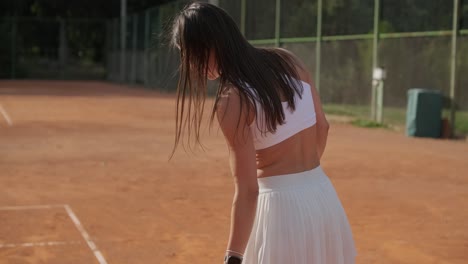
(340, 17)
(294, 14)
(5, 48)
(347, 110)
(417, 15)
(36, 9)
(464, 14)
(367, 123)
(461, 123)
(393, 116)
(385, 27)
(347, 17)
(260, 19)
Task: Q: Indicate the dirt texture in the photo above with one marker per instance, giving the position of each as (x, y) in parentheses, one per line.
(103, 149)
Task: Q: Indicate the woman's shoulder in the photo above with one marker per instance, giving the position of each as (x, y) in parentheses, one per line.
(232, 100)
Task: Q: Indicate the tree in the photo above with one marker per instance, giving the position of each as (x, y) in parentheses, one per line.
(72, 8)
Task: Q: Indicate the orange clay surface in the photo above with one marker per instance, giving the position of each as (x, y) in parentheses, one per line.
(103, 150)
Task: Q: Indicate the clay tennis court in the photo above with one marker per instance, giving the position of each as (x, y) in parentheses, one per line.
(85, 178)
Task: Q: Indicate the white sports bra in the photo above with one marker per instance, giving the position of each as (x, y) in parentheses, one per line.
(294, 121)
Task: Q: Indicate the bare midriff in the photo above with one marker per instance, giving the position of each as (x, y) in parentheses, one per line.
(295, 154)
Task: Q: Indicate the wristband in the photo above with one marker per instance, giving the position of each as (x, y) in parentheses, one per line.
(235, 252)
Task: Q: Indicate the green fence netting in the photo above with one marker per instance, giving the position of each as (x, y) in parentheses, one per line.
(414, 46)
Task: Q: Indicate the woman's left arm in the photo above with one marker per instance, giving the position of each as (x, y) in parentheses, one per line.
(234, 123)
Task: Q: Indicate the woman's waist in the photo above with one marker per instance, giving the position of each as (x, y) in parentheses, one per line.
(290, 180)
(285, 165)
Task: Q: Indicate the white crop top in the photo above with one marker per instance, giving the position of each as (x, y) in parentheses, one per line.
(294, 121)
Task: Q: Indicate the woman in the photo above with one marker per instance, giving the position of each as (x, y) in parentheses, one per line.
(285, 209)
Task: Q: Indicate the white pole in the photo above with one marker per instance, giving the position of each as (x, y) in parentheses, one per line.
(375, 57)
(378, 77)
(318, 45)
(453, 65)
(380, 91)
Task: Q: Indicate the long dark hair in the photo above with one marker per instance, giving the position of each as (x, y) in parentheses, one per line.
(259, 74)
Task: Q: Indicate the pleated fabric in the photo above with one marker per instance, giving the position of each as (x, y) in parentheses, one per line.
(300, 220)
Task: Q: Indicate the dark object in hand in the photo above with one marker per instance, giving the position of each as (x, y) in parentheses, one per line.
(232, 260)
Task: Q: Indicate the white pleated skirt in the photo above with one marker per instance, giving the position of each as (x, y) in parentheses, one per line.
(300, 220)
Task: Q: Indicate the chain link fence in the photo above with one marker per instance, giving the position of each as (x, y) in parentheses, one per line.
(414, 46)
(414, 54)
(44, 48)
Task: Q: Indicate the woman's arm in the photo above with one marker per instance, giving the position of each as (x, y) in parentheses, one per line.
(234, 125)
(322, 124)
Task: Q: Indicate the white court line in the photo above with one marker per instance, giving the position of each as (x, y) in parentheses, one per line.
(29, 207)
(5, 115)
(72, 216)
(34, 244)
(85, 235)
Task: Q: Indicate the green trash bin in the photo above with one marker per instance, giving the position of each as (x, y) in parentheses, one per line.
(424, 113)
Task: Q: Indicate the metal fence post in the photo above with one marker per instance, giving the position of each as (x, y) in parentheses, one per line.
(277, 23)
(123, 36)
(134, 49)
(453, 65)
(146, 49)
(375, 56)
(13, 48)
(107, 49)
(62, 47)
(379, 102)
(242, 17)
(115, 51)
(159, 50)
(318, 45)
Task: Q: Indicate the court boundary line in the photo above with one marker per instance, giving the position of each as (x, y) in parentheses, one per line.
(97, 253)
(85, 235)
(30, 207)
(33, 244)
(5, 115)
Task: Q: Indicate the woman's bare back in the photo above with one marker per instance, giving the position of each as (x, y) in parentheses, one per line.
(297, 153)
